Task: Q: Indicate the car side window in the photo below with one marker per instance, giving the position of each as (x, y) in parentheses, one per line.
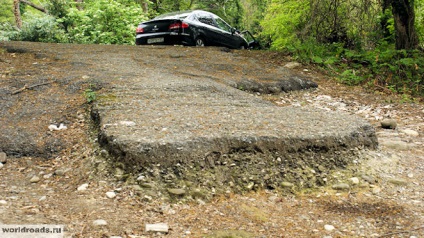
(223, 25)
(206, 19)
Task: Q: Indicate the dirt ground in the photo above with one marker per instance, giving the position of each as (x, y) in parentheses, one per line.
(39, 184)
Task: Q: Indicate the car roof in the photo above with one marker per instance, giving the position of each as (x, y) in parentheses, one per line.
(181, 14)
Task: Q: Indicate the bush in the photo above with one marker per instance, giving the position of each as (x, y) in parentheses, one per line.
(103, 22)
(41, 29)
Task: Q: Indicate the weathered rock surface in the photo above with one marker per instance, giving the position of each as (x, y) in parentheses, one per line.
(172, 117)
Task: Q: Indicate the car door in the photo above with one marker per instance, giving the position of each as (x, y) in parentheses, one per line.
(226, 35)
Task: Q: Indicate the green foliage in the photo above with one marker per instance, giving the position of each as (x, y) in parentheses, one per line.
(399, 71)
(6, 15)
(42, 29)
(90, 95)
(103, 22)
(283, 22)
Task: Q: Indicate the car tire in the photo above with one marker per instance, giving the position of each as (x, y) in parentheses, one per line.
(242, 47)
(200, 42)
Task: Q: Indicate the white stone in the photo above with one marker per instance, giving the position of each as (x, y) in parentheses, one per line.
(1, 165)
(410, 132)
(42, 198)
(100, 222)
(3, 202)
(158, 227)
(292, 65)
(354, 180)
(83, 187)
(111, 195)
(35, 179)
(329, 227)
(127, 123)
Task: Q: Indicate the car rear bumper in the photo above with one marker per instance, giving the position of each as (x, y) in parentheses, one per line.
(162, 38)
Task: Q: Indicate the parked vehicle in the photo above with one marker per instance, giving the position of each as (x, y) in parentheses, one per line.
(191, 28)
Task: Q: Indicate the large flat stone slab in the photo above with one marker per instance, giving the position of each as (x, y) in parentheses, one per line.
(167, 119)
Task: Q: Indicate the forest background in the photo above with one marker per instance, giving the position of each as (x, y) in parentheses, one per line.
(374, 43)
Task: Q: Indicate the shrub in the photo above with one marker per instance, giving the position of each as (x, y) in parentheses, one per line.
(42, 29)
(103, 22)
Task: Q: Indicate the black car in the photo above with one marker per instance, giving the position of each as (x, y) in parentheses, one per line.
(192, 28)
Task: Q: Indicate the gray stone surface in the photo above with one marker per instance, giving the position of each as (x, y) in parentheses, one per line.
(178, 119)
(196, 117)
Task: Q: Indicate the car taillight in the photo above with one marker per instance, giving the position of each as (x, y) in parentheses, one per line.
(178, 25)
(139, 30)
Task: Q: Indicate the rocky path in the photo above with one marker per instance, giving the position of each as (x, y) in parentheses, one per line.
(382, 196)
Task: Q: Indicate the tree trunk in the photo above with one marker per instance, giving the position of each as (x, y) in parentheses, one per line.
(17, 13)
(404, 18)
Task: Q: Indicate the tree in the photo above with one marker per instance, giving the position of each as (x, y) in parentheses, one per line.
(17, 10)
(17, 13)
(404, 20)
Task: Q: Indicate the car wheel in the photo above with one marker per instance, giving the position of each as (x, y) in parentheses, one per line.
(200, 42)
(242, 47)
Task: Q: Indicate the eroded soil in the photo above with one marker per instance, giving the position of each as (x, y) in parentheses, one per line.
(387, 201)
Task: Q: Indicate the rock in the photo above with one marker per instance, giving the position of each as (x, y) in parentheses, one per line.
(292, 65)
(60, 172)
(1, 165)
(341, 186)
(42, 198)
(100, 222)
(3, 202)
(158, 227)
(3, 157)
(82, 187)
(407, 132)
(176, 191)
(35, 179)
(354, 180)
(287, 185)
(399, 182)
(376, 190)
(368, 179)
(396, 145)
(389, 124)
(111, 195)
(329, 227)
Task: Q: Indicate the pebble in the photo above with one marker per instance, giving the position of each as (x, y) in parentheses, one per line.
(368, 179)
(292, 65)
(354, 180)
(176, 191)
(3, 202)
(42, 198)
(389, 124)
(399, 182)
(376, 190)
(100, 222)
(35, 179)
(111, 195)
(329, 227)
(341, 186)
(410, 132)
(60, 172)
(1, 165)
(158, 227)
(287, 184)
(83, 187)
(3, 157)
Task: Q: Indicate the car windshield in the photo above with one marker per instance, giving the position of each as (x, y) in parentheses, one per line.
(223, 25)
(173, 15)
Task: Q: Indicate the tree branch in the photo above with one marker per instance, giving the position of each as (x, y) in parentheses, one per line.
(40, 8)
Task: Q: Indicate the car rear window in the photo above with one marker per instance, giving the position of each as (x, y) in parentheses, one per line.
(180, 16)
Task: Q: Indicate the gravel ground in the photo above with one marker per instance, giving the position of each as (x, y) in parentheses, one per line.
(381, 196)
